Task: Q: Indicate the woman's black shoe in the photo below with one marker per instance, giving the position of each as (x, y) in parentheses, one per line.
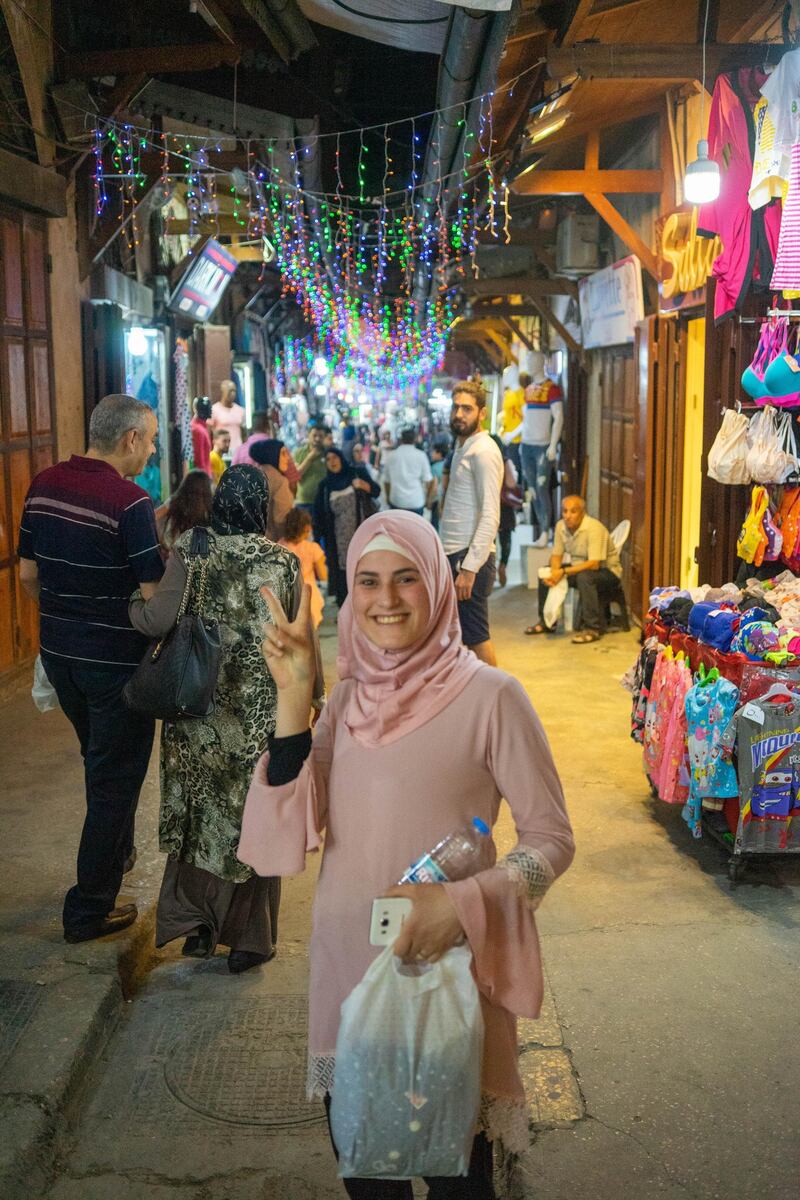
(243, 960)
(197, 945)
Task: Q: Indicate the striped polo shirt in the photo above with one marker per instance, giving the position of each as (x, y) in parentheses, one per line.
(93, 537)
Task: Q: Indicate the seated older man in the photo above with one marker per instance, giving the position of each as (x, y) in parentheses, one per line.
(584, 555)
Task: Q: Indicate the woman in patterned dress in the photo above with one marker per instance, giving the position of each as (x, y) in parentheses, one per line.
(207, 895)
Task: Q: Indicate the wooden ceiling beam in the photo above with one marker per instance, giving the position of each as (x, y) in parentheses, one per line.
(762, 15)
(519, 285)
(518, 332)
(593, 60)
(529, 25)
(578, 183)
(154, 60)
(602, 118)
(216, 17)
(625, 232)
(550, 317)
(581, 9)
(481, 312)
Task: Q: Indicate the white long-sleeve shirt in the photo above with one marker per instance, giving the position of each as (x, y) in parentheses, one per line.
(471, 511)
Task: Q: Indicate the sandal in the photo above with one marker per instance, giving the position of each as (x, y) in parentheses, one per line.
(588, 635)
(536, 629)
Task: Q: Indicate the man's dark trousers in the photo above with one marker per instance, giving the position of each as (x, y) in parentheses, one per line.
(116, 746)
(595, 588)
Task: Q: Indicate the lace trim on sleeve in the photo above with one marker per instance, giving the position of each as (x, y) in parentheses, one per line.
(529, 871)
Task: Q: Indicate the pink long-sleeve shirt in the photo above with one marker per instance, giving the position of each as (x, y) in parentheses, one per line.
(381, 808)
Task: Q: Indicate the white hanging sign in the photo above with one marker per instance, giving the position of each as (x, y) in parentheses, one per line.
(611, 304)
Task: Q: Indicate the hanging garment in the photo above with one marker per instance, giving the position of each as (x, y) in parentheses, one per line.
(786, 275)
(770, 160)
(655, 714)
(766, 736)
(673, 779)
(709, 709)
(749, 239)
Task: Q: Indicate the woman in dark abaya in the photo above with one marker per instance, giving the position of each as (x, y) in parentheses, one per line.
(207, 895)
(344, 500)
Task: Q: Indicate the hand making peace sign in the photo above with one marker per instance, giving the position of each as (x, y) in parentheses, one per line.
(288, 646)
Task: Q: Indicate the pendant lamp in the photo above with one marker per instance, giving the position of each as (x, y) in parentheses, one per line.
(701, 182)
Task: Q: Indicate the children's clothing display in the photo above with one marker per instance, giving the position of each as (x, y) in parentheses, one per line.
(716, 708)
(710, 705)
(765, 733)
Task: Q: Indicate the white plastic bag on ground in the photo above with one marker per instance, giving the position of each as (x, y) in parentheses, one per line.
(406, 1089)
(43, 692)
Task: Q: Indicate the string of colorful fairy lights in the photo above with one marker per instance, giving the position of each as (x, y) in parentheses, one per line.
(351, 262)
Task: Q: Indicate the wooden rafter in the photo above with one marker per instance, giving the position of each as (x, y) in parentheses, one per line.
(519, 285)
(581, 10)
(625, 232)
(667, 61)
(550, 317)
(518, 332)
(215, 16)
(153, 59)
(577, 183)
(756, 23)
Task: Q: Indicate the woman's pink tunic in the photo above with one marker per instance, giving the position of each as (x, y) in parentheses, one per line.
(381, 808)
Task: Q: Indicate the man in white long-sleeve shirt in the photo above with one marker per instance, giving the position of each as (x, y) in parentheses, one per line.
(471, 515)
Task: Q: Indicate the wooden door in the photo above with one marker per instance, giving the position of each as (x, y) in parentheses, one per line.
(618, 410)
(729, 349)
(659, 437)
(27, 426)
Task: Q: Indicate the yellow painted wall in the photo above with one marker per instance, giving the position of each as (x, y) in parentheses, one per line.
(692, 450)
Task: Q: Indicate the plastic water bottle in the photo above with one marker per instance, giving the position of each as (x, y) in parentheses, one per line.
(456, 856)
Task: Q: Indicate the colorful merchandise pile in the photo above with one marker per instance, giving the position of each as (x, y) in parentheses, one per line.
(716, 709)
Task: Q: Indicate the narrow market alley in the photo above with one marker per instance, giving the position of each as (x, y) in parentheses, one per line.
(652, 1072)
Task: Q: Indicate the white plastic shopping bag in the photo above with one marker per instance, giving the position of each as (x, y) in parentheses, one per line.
(556, 596)
(43, 693)
(406, 1089)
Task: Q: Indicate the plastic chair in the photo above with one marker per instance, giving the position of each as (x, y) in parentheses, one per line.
(619, 537)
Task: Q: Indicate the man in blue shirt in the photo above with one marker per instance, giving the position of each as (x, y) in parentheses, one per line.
(87, 540)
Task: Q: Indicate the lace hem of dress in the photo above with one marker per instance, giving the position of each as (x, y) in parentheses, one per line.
(500, 1118)
(529, 871)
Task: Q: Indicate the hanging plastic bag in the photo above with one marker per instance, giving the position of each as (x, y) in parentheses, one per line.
(727, 458)
(752, 532)
(43, 693)
(406, 1089)
(767, 460)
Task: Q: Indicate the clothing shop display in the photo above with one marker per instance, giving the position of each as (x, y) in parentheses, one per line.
(716, 709)
(749, 238)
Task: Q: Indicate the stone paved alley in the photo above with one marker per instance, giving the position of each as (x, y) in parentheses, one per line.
(665, 1063)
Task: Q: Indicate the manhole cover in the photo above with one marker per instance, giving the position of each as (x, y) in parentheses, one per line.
(17, 1005)
(246, 1065)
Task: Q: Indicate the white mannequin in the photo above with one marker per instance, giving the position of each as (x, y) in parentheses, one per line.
(541, 429)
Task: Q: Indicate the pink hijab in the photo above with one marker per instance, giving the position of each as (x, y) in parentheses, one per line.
(397, 691)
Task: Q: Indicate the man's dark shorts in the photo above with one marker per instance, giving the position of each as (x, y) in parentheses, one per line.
(474, 613)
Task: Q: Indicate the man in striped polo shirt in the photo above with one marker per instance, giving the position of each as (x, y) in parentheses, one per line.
(87, 540)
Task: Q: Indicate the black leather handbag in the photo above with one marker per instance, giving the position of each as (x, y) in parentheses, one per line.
(177, 677)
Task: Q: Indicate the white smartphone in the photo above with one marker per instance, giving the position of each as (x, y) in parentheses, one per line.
(388, 914)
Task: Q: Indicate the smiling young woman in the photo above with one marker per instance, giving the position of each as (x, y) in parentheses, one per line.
(418, 738)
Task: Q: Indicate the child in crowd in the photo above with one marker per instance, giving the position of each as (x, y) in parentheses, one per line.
(312, 557)
(220, 454)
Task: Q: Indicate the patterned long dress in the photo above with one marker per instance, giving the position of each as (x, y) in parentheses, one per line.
(207, 765)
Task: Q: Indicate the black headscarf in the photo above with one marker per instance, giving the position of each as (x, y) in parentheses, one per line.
(337, 481)
(267, 452)
(240, 502)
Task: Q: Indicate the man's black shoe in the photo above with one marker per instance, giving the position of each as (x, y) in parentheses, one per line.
(130, 862)
(117, 919)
